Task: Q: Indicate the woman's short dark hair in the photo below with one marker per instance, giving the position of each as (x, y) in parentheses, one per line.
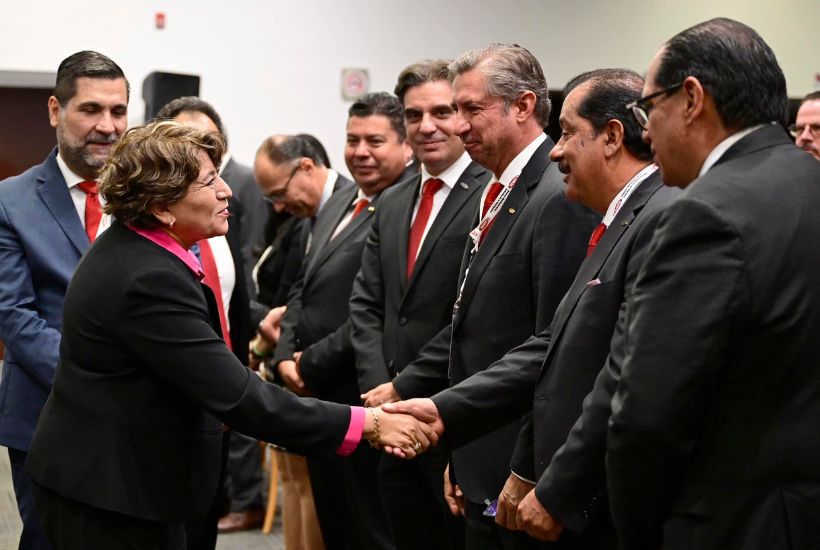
(154, 165)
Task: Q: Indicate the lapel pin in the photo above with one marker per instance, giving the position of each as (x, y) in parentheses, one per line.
(464, 185)
(511, 210)
(624, 223)
(371, 208)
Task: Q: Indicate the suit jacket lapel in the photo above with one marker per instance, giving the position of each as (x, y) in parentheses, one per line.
(504, 221)
(591, 267)
(467, 185)
(328, 219)
(51, 187)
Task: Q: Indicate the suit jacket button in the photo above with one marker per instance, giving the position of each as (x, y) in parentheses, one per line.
(402, 321)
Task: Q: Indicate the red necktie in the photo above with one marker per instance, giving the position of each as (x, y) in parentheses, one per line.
(93, 212)
(212, 280)
(361, 204)
(492, 194)
(596, 236)
(431, 187)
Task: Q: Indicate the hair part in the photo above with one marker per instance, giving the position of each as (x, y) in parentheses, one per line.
(384, 104)
(736, 68)
(154, 165)
(191, 104)
(282, 149)
(88, 64)
(610, 90)
(509, 71)
(429, 70)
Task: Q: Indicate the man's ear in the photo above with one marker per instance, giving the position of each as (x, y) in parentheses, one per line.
(53, 111)
(613, 137)
(526, 105)
(695, 97)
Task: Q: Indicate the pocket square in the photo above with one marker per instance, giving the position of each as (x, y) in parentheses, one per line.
(593, 282)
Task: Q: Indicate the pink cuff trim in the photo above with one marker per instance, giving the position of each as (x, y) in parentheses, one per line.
(354, 431)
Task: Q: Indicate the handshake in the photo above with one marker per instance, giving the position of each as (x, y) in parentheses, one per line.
(408, 428)
(404, 429)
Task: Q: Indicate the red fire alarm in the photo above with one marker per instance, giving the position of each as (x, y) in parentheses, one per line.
(159, 19)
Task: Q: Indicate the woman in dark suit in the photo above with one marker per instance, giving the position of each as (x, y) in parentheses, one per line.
(127, 448)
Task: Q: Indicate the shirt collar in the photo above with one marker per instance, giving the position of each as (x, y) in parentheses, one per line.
(724, 146)
(624, 194)
(327, 190)
(451, 175)
(515, 167)
(69, 176)
(163, 239)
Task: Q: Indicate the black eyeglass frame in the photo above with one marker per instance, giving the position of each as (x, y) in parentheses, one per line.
(277, 196)
(640, 108)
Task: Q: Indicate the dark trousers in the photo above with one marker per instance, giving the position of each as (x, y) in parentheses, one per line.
(243, 473)
(201, 533)
(413, 495)
(348, 504)
(33, 536)
(73, 525)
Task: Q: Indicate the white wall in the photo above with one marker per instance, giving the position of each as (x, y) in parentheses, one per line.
(271, 66)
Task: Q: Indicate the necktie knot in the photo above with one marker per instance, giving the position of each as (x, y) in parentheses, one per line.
(360, 205)
(93, 210)
(88, 187)
(492, 194)
(596, 236)
(431, 187)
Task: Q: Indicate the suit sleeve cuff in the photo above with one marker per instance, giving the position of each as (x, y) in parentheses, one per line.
(354, 432)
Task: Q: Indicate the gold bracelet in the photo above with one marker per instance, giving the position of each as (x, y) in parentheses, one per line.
(373, 438)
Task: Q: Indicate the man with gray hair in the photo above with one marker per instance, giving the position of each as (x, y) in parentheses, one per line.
(526, 245)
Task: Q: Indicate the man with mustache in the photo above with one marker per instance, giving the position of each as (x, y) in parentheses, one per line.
(49, 215)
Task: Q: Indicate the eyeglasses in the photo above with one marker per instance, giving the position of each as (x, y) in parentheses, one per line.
(796, 131)
(277, 196)
(641, 108)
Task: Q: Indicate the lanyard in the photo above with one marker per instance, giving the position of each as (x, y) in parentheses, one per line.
(492, 212)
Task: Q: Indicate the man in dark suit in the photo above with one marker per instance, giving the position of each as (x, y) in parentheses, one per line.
(714, 437)
(314, 353)
(525, 248)
(48, 216)
(242, 473)
(404, 293)
(608, 168)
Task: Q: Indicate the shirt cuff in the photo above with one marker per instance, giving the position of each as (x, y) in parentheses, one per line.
(354, 432)
(522, 478)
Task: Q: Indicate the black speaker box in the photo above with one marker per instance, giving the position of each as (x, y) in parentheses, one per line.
(159, 88)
